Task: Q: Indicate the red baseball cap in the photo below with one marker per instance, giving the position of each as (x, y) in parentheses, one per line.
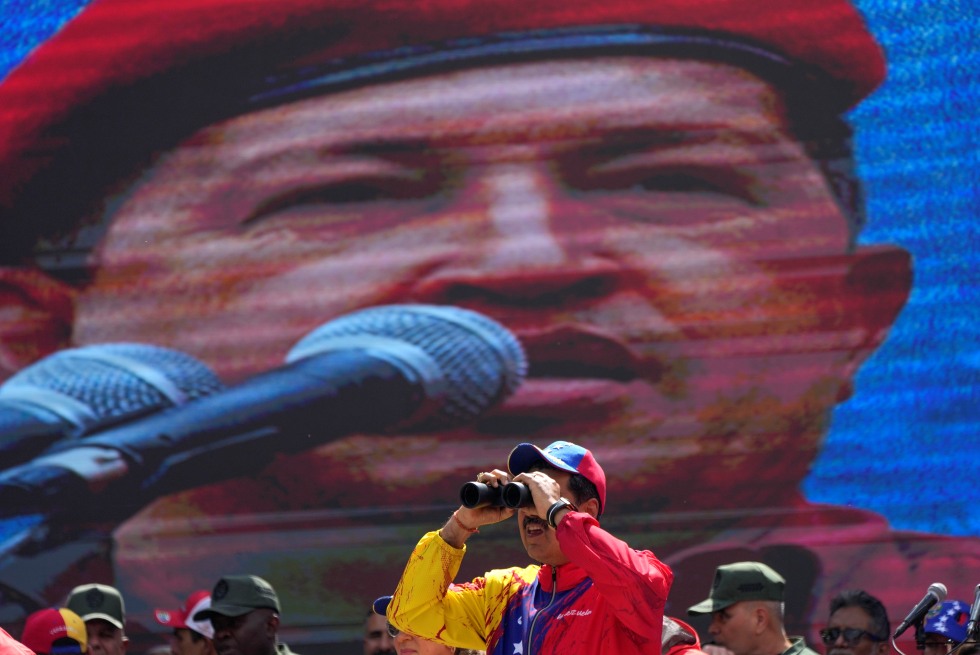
(565, 456)
(55, 632)
(179, 48)
(184, 617)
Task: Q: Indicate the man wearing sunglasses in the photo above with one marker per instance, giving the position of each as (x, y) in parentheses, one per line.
(858, 625)
(943, 628)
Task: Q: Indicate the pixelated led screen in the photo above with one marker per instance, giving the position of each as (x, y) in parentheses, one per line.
(675, 265)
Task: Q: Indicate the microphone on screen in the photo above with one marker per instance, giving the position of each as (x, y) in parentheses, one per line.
(378, 370)
(78, 391)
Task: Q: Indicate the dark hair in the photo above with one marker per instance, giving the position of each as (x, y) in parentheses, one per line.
(880, 625)
(583, 489)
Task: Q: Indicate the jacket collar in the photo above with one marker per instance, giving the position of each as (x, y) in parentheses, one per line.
(569, 575)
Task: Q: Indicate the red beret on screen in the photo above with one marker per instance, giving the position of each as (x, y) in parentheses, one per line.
(112, 44)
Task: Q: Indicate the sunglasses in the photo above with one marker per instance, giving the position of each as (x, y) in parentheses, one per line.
(392, 630)
(851, 635)
(933, 644)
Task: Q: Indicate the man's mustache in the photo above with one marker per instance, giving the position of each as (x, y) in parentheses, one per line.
(534, 519)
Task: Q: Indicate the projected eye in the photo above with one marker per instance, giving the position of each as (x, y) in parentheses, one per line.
(351, 194)
(677, 183)
(722, 184)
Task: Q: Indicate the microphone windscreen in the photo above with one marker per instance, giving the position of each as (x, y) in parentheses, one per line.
(478, 362)
(92, 385)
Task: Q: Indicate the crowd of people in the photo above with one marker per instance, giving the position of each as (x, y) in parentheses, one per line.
(590, 593)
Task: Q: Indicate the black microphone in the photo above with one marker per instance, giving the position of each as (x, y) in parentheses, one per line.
(935, 594)
(77, 391)
(974, 622)
(377, 370)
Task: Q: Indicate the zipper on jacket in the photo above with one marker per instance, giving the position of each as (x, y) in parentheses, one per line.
(554, 592)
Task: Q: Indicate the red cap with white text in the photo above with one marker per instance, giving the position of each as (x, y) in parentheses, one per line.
(184, 617)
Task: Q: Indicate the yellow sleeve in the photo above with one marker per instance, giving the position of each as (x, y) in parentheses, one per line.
(423, 605)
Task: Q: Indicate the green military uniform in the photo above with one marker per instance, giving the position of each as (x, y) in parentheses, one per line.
(798, 647)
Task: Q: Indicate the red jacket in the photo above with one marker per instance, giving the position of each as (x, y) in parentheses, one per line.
(10, 646)
(608, 599)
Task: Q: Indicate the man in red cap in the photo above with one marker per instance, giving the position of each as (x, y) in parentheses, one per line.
(54, 631)
(190, 637)
(592, 592)
(656, 197)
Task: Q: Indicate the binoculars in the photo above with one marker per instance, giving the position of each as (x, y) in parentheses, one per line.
(512, 495)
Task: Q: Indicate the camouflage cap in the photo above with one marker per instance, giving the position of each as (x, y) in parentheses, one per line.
(740, 581)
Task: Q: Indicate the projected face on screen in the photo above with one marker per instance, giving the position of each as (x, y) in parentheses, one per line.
(666, 250)
(664, 230)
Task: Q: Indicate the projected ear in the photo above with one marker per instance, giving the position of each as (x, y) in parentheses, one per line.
(877, 286)
(36, 315)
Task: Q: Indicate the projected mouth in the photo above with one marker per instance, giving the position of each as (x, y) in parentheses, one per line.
(571, 352)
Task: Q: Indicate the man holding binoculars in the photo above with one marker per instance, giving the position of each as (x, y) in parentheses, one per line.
(592, 592)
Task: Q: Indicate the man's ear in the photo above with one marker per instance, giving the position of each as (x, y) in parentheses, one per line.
(36, 316)
(876, 287)
(272, 625)
(590, 507)
(762, 617)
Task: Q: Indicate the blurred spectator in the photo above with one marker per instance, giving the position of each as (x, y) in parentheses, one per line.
(408, 644)
(377, 641)
(244, 613)
(190, 637)
(104, 612)
(858, 625)
(746, 607)
(944, 627)
(55, 632)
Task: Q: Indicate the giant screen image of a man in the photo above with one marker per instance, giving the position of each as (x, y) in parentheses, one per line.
(657, 199)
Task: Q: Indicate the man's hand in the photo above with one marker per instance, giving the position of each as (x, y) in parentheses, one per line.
(545, 491)
(465, 519)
